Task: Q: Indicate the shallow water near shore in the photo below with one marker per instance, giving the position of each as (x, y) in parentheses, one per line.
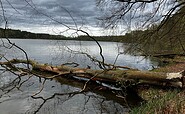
(56, 53)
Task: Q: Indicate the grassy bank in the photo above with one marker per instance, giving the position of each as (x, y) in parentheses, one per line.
(162, 100)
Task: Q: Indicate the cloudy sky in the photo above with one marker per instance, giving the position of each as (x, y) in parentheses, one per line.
(51, 16)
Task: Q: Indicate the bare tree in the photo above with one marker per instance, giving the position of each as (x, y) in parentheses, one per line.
(101, 82)
(19, 72)
(158, 18)
(139, 12)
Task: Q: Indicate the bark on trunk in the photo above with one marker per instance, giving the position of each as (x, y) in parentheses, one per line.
(106, 76)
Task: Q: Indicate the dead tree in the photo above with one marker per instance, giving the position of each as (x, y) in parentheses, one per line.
(116, 76)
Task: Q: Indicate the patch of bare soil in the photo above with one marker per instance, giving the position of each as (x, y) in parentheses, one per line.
(176, 67)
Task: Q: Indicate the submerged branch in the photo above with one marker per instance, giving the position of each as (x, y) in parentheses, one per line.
(100, 63)
(115, 84)
(105, 76)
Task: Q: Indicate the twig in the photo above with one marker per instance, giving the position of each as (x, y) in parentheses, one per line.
(42, 87)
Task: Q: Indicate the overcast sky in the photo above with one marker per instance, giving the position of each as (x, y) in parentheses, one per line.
(51, 16)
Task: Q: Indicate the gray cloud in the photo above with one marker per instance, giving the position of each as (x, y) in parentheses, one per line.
(34, 13)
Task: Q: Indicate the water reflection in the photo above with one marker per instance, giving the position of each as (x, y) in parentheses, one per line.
(20, 101)
(55, 52)
(82, 104)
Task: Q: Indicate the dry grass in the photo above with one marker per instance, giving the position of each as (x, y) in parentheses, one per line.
(174, 65)
(164, 101)
(161, 102)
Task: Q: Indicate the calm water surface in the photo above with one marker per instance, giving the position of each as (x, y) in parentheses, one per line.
(57, 53)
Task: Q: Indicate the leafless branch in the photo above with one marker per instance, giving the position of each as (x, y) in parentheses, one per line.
(5, 27)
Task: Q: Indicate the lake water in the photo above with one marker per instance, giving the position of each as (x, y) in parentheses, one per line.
(56, 53)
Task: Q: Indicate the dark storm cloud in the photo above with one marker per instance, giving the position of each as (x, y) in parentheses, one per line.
(28, 13)
(81, 8)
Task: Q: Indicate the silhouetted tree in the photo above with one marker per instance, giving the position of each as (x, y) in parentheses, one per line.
(163, 19)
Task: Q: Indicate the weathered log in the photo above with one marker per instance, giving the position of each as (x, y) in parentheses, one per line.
(106, 76)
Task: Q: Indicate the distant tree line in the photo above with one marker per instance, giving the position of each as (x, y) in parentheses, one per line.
(10, 33)
(157, 38)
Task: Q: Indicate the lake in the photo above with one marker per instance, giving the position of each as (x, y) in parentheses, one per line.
(57, 52)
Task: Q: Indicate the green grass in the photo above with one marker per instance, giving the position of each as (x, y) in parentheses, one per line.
(159, 102)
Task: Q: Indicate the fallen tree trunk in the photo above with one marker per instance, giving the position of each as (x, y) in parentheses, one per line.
(114, 76)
